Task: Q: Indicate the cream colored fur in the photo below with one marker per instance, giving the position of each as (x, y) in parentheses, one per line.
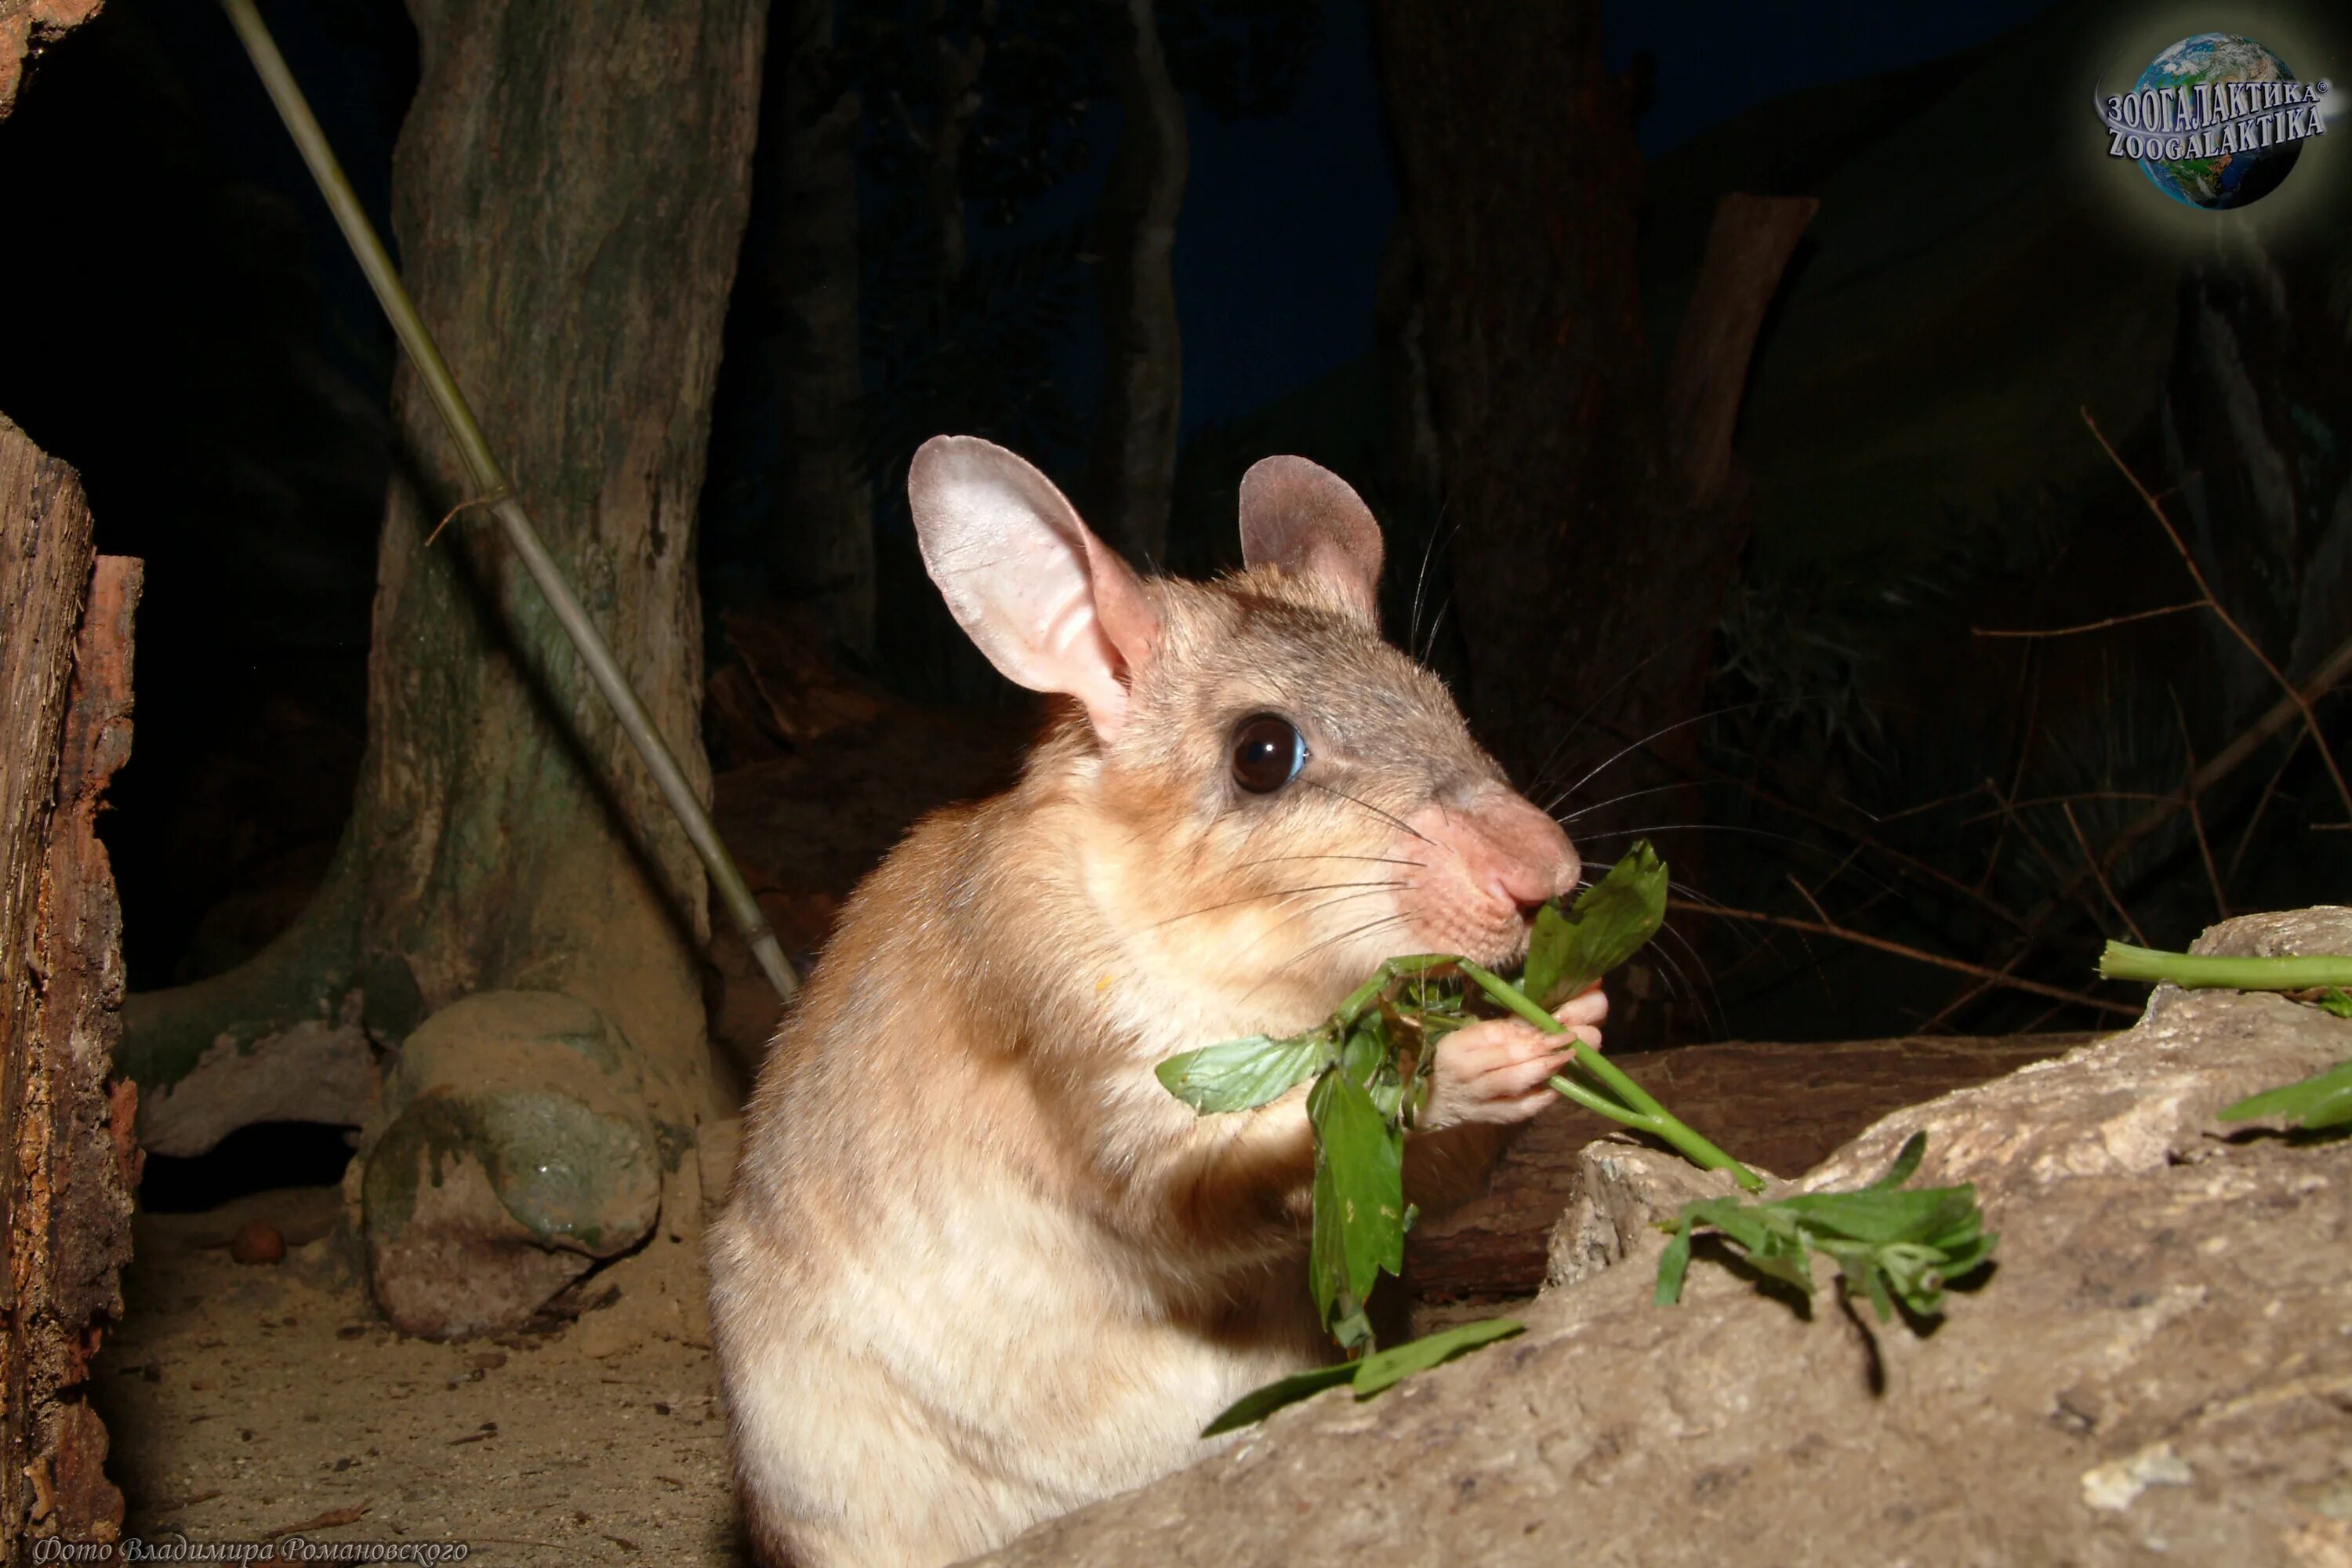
(978, 1267)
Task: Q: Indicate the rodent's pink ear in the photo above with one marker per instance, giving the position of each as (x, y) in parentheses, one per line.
(1309, 521)
(1053, 607)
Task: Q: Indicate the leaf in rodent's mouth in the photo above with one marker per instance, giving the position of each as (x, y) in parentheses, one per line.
(1370, 1063)
(1571, 948)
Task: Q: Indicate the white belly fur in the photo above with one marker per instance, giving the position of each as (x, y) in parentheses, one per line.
(974, 1363)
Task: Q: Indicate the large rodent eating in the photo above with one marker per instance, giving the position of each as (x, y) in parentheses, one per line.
(978, 1267)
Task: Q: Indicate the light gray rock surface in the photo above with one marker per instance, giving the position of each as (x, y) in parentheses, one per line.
(2160, 1369)
(513, 1151)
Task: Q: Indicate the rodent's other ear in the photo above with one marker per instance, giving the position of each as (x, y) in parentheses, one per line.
(1308, 521)
(1053, 607)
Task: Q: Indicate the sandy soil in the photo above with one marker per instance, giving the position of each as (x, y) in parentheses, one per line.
(251, 1400)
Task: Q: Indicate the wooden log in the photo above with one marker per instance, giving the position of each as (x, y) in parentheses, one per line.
(28, 27)
(65, 1198)
(1782, 1108)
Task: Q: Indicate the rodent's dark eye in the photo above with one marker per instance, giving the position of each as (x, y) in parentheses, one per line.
(1268, 751)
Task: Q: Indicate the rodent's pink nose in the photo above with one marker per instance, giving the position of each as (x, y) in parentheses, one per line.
(1513, 853)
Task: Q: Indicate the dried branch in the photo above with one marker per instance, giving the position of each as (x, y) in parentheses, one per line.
(2303, 703)
(2196, 812)
(1959, 967)
(2087, 626)
(2091, 858)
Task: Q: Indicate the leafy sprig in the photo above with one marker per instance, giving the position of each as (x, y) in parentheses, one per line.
(1376, 1372)
(1369, 1063)
(1890, 1243)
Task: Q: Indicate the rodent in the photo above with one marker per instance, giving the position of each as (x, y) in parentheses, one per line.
(978, 1267)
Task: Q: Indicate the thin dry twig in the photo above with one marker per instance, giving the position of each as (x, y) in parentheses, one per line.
(2281, 715)
(495, 496)
(2262, 806)
(1974, 896)
(2008, 814)
(2091, 858)
(1937, 1018)
(1810, 902)
(2081, 797)
(2196, 812)
(1928, 805)
(2087, 626)
(2294, 694)
(1960, 966)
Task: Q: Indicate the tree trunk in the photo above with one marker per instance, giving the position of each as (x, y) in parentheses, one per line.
(1596, 515)
(1521, 181)
(824, 551)
(569, 197)
(1132, 467)
(64, 1194)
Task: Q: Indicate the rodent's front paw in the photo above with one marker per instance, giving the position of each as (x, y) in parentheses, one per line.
(1496, 1069)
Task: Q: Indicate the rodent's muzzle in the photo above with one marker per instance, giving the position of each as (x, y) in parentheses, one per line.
(1489, 862)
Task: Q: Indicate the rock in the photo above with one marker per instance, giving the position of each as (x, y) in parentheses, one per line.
(257, 1242)
(2158, 1367)
(1623, 1190)
(513, 1151)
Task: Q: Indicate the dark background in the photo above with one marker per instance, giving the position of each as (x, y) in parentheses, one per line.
(1978, 274)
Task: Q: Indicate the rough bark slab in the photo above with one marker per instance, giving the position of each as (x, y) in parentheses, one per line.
(28, 28)
(1781, 1108)
(2156, 1370)
(65, 1196)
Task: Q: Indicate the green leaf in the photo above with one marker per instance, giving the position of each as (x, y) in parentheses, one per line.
(1260, 1403)
(2323, 1100)
(1606, 925)
(1385, 1369)
(1548, 954)
(1674, 1266)
(1889, 1243)
(1241, 1075)
(1358, 1192)
(1374, 1375)
(2337, 1001)
(1906, 1162)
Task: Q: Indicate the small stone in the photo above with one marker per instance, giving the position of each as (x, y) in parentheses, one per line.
(259, 1242)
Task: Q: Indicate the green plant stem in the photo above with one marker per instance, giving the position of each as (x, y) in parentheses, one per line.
(492, 489)
(1408, 967)
(2121, 960)
(1635, 1107)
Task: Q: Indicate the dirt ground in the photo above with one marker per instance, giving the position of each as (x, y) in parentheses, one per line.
(247, 1401)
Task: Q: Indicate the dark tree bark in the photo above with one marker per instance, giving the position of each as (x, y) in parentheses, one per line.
(955, 98)
(569, 197)
(65, 1190)
(1131, 469)
(823, 552)
(1520, 179)
(1596, 514)
(28, 28)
